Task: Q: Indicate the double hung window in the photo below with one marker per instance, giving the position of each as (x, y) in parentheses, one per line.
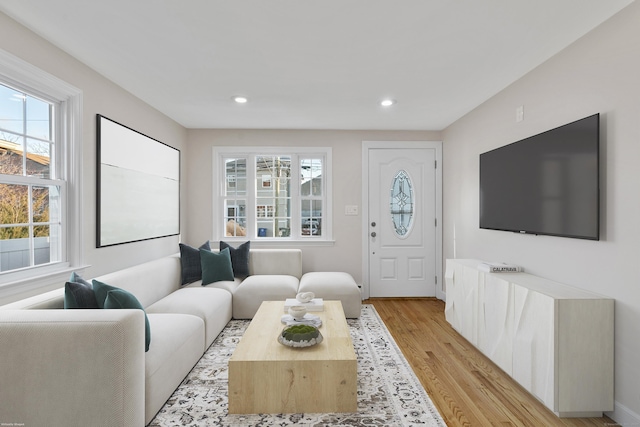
(39, 156)
(30, 192)
(273, 193)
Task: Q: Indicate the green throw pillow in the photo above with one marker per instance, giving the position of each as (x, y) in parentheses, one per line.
(111, 297)
(216, 267)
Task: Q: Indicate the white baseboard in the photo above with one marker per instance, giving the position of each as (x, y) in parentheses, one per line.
(623, 416)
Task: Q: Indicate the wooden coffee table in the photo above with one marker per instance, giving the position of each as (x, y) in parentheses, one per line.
(268, 377)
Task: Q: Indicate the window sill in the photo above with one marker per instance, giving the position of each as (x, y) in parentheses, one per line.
(264, 242)
(10, 286)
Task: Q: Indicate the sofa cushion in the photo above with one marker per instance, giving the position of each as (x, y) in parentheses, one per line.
(216, 266)
(239, 258)
(255, 289)
(211, 304)
(190, 262)
(150, 281)
(177, 346)
(334, 285)
(228, 285)
(121, 299)
(276, 261)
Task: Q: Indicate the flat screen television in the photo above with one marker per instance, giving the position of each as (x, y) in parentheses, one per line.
(545, 184)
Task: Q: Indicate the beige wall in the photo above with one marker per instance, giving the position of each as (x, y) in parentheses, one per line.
(99, 96)
(346, 254)
(599, 73)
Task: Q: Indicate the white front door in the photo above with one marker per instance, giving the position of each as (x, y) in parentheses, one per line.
(402, 227)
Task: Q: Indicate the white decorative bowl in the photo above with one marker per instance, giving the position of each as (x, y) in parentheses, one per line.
(305, 296)
(297, 312)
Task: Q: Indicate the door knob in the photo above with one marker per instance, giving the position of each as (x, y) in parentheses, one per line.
(373, 234)
(373, 224)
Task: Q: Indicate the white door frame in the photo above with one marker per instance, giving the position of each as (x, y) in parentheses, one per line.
(368, 145)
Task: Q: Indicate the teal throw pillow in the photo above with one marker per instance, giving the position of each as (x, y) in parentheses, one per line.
(216, 267)
(110, 297)
(78, 293)
(239, 258)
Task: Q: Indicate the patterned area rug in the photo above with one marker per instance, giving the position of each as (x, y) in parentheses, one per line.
(389, 393)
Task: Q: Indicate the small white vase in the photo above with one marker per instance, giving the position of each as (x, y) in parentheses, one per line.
(297, 312)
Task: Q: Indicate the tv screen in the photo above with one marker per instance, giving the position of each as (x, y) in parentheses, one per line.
(545, 184)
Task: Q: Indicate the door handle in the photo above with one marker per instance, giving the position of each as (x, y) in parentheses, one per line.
(373, 234)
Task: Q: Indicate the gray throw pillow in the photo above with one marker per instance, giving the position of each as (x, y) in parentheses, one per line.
(239, 258)
(190, 262)
(78, 293)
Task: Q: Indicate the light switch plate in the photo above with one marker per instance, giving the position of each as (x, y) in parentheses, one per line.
(351, 210)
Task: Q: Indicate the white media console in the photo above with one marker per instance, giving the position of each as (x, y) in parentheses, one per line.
(555, 340)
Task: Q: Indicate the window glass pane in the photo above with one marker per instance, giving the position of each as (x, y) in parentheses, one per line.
(401, 203)
(14, 248)
(46, 204)
(12, 116)
(236, 177)
(311, 215)
(11, 153)
(38, 158)
(235, 218)
(38, 118)
(41, 245)
(14, 207)
(273, 191)
(46, 244)
(40, 200)
(284, 227)
(45, 227)
(311, 171)
(273, 175)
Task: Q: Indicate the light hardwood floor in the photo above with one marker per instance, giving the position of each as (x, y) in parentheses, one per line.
(466, 387)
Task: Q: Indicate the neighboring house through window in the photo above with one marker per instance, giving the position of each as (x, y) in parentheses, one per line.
(272, 193)
(40, 154)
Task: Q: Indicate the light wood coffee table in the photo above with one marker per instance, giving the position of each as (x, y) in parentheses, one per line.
(268, 377)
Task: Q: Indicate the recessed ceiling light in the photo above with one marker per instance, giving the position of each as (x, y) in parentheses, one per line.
(240, 99)
(387, 102)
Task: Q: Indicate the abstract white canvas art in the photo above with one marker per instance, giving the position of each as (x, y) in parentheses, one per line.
(138, 186)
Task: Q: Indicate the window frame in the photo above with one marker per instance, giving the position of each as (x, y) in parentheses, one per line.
(218, 197)
(17, 73)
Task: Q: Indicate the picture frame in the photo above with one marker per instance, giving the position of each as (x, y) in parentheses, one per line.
(138, 186)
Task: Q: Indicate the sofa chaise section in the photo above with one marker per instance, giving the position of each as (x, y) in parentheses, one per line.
(50, 358)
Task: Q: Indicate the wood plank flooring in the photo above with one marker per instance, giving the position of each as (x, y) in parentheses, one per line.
(466, 387)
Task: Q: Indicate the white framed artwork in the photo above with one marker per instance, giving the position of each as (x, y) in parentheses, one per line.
(138, 186)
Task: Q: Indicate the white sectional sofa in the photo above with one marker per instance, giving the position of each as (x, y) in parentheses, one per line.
(88, 367)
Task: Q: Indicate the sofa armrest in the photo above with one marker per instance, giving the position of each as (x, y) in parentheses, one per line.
(72, 367)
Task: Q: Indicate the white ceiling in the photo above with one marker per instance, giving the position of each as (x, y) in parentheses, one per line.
(313, 64)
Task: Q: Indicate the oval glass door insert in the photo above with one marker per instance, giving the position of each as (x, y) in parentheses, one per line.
(401, 203)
